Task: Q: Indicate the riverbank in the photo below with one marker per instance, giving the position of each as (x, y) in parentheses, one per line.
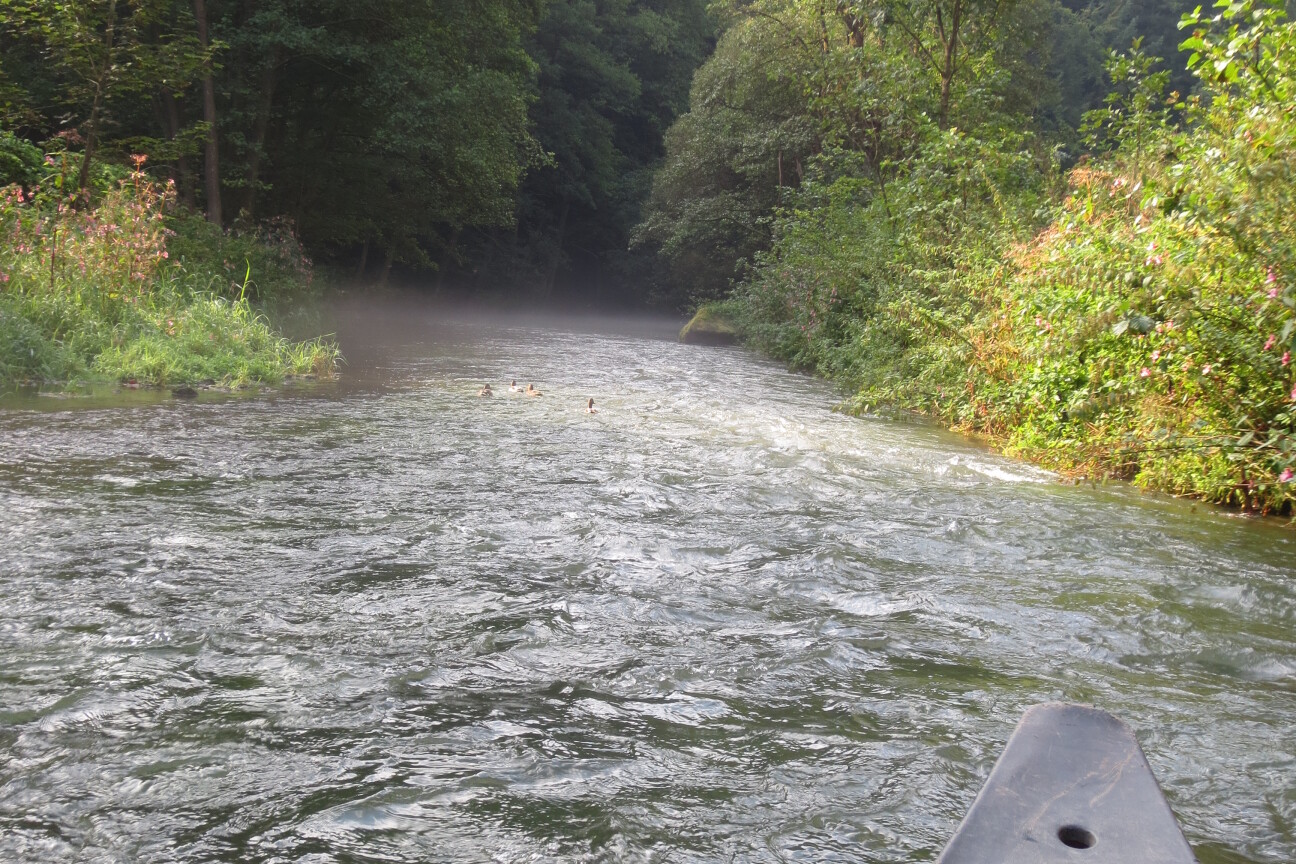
(1133, 318)
(135, 290)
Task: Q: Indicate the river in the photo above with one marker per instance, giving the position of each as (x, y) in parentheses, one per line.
(386, 620)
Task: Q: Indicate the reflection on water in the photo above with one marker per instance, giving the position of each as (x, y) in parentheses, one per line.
(386, 620)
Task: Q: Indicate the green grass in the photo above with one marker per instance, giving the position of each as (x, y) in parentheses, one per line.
(131, 290)
(714, 323)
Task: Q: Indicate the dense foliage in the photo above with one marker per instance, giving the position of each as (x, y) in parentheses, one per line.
(503, 141)
(612, 76)
(99, 294)
(369, 123)
(495, 141)
(1131, 315)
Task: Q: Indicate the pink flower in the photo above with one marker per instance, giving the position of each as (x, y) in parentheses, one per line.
(1273, 292)
(1285, 476)
(1269, 343)
(1206, 370)
(1156, 355)
(1271, 277)
(1286, 358)
(1145, 373)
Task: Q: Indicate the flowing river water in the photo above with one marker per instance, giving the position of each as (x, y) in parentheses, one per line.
(386, 620)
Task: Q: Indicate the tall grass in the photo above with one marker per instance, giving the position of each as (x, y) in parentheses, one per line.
(95, 293)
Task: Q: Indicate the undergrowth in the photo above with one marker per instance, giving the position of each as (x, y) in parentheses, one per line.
(130, 289)
(1134, 318)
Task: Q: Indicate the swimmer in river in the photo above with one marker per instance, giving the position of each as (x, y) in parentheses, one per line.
(531, 391)
(485, 391)
(589, 407)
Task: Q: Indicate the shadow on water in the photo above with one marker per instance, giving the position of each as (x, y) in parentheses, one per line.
(387, 619)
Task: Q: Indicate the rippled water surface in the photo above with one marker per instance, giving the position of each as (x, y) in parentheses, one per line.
(385, 620)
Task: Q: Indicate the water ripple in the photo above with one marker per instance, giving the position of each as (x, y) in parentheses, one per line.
(388, 621)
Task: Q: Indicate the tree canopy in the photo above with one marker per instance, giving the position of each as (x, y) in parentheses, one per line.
(392, 131)
(542, 148)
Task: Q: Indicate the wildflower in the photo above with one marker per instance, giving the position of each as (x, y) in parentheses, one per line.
(1286, 358)
(1270, 277)
(1145, 373)
(1206, 369)
(1285, 476)
(1156, 355)
(1273, 292)
(4, 277)
(1269, 343)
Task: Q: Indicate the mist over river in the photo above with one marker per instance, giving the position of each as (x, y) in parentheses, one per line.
(383, 619)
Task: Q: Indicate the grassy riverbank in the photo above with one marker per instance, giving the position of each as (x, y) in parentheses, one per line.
(1134, 317)
(132, 289)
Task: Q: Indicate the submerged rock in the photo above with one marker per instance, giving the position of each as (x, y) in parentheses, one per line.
(710, 326)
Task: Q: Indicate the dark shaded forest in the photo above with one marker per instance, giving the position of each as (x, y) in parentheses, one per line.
(490, 146)
(485, 144)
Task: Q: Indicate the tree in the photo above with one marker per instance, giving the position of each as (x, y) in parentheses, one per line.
(211, 150)
(101, 52)
(612, 75)
(747, 137)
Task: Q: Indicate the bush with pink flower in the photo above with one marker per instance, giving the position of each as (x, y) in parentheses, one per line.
(93, 292)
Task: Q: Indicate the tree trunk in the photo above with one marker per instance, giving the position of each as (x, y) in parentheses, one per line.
(557, 258)
(183, 175)
(364, 261)
(211, 168)
(447, 258)
(92, 124)
(91, 139)
(259, 129)
(949, 61)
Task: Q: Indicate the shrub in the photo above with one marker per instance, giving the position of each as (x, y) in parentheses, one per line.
(96, 291)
